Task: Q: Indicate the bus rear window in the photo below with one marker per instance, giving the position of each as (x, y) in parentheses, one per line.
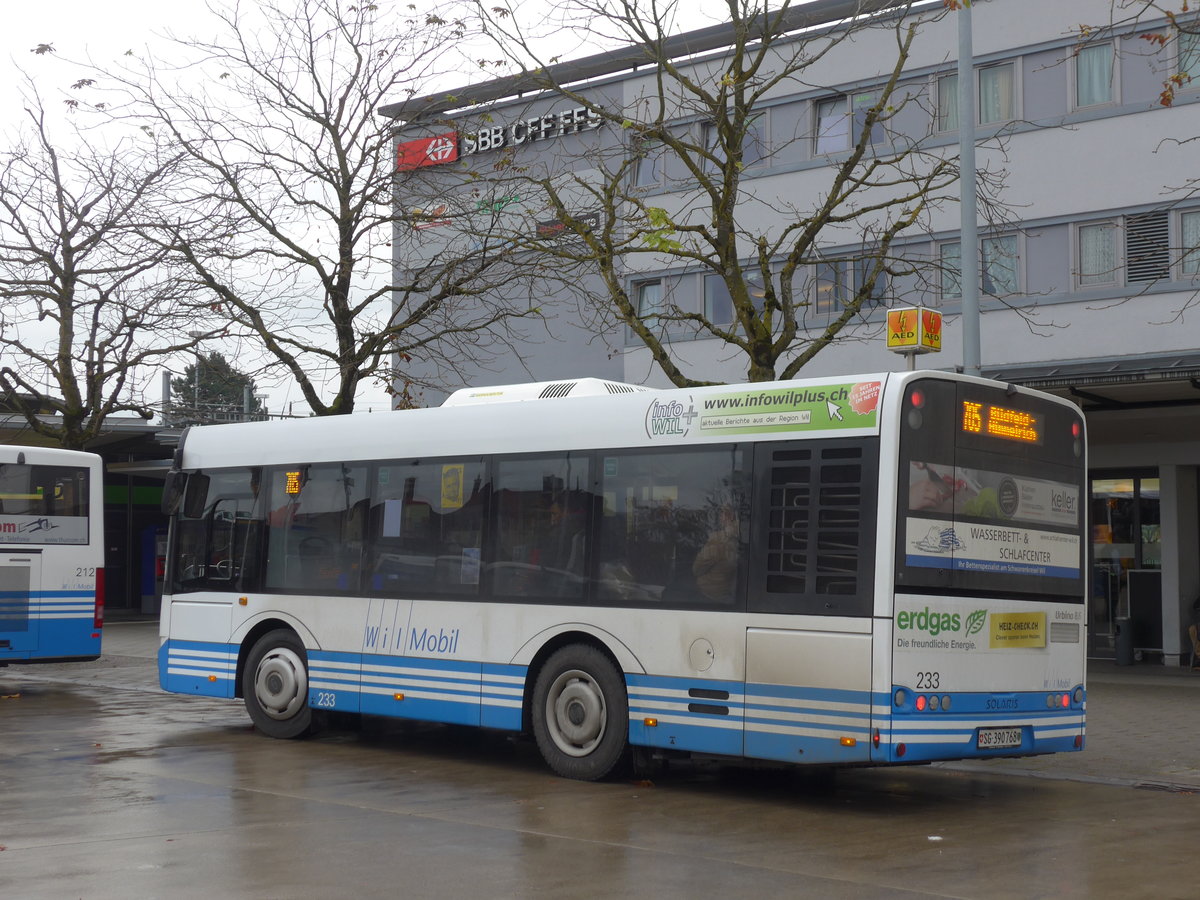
(992, 488)
(43, 504)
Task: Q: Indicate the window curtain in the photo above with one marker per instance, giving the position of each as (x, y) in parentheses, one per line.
(995, 94)
(1093, 75)
(1097, 254)
(1191, 243)
(947, 103)
(1000, 266)
(951, 270)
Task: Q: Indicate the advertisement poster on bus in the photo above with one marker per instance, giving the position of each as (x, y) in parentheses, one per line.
(994, 496)
(44, 529)
(829, 407)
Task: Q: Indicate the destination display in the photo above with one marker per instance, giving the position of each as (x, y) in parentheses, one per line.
(1000, 422)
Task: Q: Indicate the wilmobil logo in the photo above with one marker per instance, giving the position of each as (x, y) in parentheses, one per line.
(939, 626)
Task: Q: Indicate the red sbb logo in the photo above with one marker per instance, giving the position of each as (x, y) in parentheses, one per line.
(430, 151)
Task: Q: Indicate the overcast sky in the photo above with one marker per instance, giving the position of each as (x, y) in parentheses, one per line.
(105, 29)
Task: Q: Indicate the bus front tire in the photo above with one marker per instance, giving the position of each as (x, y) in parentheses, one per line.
(580, 713)
(275, 686)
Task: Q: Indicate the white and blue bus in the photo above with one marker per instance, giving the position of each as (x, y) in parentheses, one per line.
(843, 571)
(51, 555)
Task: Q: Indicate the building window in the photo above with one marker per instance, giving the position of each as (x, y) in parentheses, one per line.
(833, 126)
(754, 143)
(1189, 227)
(830, 287)
(947, 103)
(1094, 75)
(997, 94)
(649, 301)
(950, 270)
(753, 147)
(1189, 56)
(877, 288)
(1097, 254)
(838, 129)
(718, 303)
(999, 265)
(647, 167)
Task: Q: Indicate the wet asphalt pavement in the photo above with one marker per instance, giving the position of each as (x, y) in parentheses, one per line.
(109, 788)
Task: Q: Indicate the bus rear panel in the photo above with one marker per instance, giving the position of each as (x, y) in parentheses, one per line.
(988, 637)
(51, 555)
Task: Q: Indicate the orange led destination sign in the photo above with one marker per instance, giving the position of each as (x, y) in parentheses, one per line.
(999, 422)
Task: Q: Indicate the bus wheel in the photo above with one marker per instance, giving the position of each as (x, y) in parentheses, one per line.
(275, 685)
(580, 713)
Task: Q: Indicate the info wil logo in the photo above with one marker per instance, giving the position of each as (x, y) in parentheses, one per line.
(669, 418)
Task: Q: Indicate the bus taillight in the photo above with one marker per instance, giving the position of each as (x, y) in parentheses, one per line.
(98, 622)
(915, 416)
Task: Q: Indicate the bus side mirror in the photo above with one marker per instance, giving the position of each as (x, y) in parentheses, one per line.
(196, 495)
(173, 491)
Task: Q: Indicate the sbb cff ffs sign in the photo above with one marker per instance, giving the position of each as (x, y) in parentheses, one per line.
(914, 329)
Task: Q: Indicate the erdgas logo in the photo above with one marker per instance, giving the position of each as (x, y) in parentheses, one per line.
(935, 623)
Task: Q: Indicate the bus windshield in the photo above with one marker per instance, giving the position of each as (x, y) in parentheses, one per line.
(991, 489)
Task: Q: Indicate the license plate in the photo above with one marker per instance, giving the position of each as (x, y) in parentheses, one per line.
(997, 738)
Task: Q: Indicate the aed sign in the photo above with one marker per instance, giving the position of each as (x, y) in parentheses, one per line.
(914, 329)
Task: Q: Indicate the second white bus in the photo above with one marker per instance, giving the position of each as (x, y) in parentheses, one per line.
(51, 555)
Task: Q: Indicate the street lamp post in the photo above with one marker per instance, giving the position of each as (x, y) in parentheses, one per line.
(968, 229)
(196, 335)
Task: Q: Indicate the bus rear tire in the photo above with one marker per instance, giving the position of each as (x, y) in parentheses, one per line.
(580, 713)
(275, 686)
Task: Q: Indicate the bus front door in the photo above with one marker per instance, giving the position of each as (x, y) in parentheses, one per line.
(20, 585)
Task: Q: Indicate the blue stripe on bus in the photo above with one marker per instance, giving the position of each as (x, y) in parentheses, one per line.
(808, 725)
(197, 667)
(986, 566)
(45, 595)
(502, 696)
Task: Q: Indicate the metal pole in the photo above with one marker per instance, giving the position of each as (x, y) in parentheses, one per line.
(166, 397)
(968, 229)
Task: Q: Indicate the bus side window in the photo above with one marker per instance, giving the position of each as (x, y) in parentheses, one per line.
(214, 537)
(543, 516)
(672, 528)
(314, 527)
(426, 528)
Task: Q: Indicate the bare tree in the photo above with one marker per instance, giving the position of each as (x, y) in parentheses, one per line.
(677, 187)
(90, 300)
(288, 219)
